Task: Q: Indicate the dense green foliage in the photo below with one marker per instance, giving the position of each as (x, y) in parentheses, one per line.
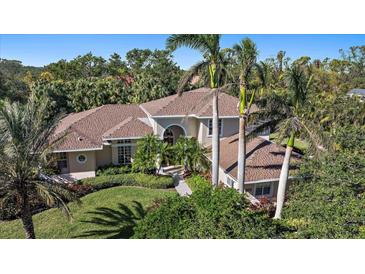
(152, 152)
(130, 179)
(146, 158)
(208, 213)
(196, 182)
(89, 81)
(87, 222)
(330, 200)
(113, 170)
(25, 144)
(190, 154)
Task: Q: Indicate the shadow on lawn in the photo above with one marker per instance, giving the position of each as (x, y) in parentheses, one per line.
(115, 223)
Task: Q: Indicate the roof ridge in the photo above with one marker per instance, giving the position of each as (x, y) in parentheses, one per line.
(117, 126)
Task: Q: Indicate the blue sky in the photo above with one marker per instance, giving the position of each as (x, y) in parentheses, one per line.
(39, 50)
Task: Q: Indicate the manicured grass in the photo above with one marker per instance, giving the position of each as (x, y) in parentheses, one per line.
(298, 144)
(52, 224)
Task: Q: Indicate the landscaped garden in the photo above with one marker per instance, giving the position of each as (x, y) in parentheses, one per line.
(52, 224)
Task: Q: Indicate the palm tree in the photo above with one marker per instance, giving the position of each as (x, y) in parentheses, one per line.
(24, 146)
(213, 63)
(246, 54)
(284, 111)
(263, 74)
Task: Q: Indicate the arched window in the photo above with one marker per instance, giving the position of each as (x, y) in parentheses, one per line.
(168, 136)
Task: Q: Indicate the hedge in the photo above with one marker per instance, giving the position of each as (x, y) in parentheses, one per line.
(130, 179)
(196, 182)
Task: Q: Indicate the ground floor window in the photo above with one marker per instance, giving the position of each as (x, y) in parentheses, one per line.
(230, 181)
(124, 155)
(62, 160)
(263, 190)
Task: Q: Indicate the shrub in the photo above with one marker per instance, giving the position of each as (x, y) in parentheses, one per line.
(146, 156)
(190, 154)
(196, 182)
(131, 179)
(208, 213)
(113, 170)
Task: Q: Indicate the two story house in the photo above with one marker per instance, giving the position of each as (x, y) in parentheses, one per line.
(108, 134)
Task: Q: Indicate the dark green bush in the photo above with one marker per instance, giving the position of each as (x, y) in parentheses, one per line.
(208, 213)
(113, 170)
(131, 179)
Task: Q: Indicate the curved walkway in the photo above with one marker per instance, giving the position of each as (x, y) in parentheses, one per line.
(181, 187)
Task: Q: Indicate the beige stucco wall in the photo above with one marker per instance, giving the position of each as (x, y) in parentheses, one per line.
(75, 166)
(104, 157)
(230, 127)
(163, 123)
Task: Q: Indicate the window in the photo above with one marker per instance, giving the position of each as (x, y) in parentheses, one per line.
(124, 155)
(263, 190)
(210, 126)
(230, 181)
(125, 141)
(81, 158)
(62, 160)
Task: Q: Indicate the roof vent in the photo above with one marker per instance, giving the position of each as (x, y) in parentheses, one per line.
(80, 138)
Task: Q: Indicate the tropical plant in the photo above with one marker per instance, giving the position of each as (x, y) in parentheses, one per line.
(328, 201)
(246, 54)
(208, 213)
(24, 146)
(209, 46)
(189, 153)
(285, 112)
(146, 157)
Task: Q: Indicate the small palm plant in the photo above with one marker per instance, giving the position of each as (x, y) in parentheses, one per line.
(189, 153)
(25, 133)
(284, 112)
(213, 65)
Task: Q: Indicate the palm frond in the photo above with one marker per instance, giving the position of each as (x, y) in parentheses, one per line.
(54, 194)
(197, 69)
(194, 41)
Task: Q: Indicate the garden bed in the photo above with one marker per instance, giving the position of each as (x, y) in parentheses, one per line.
(129, 179)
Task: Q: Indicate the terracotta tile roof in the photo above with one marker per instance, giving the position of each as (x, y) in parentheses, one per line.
(129, 128)
(85, 130)
(264, 158)
(195, 102)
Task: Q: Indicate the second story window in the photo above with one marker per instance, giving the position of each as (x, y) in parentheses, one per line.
(210, 127)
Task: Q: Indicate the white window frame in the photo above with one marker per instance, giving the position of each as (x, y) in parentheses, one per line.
(62, 159)
(230, 181)
(119, 154)
(210, 124)
(78, 160)
(263, 185)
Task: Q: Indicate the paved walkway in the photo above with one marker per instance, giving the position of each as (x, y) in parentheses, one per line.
(181, 187)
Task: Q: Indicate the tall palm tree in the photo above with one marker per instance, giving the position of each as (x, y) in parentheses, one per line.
(209, 46)
(284, 111)
(246, 54)
(25, 131)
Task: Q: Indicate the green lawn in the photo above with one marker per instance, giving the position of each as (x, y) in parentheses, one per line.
(52, 224)
(299, 144)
